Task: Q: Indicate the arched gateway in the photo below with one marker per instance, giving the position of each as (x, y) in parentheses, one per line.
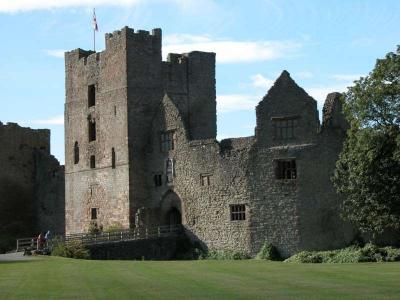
(171, 209)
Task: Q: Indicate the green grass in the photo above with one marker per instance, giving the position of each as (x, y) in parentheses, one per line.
(62, 278)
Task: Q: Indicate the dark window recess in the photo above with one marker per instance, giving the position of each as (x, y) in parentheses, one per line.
(92, 130)
(94, 213)
(285, 169)
(205, 179)
(167, 141)
(157, 180)
(169, 170)
(76, 153)
(92, 161)
(115, 110)
(113, 158)
(91, 95)
(238, 212)
(284, 128)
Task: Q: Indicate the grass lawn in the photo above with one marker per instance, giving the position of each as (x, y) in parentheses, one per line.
(62, 278)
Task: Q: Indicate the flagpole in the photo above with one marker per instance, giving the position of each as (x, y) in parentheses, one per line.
(94, 30)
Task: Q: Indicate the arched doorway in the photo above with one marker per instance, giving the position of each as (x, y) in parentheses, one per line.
(171, 209)
(174, 217)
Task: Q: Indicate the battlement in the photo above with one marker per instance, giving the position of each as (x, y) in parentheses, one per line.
(120, 37)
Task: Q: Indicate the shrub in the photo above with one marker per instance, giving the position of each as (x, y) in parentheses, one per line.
(115, 227)
(224, 255)
(269, 252)
(352, 254)
(70, 250)
(94, 228)
(392, 254)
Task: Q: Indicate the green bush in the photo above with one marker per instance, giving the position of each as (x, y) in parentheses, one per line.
(115, 227)
(224, 255)
(268, 252)
(352, 254)
(70, 250)
(94, 228)
(392, 254)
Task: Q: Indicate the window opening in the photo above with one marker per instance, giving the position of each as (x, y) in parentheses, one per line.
(205, 179)
(113, 158)
(238, 212)
(157, 180)
(76, 153)
(92, 130)
(286, 169)
(94, 213)
(167, 141)
(92, 162)
(91, 95)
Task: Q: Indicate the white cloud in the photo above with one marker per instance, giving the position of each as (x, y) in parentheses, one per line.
(55, 52)
(347, 77)
(259, 81)
(229, 51)
(13, 6)
(57, 120)
(320, 93)
(234, 102)
(304, 75)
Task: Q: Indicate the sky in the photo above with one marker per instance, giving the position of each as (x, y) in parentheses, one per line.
(324, 45)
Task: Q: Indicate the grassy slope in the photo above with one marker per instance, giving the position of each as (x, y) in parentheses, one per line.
(60, 278)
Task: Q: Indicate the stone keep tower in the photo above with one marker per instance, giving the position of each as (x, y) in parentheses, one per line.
(111, 99)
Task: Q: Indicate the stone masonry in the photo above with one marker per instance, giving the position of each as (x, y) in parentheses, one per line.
(141, 150)
(31, 184)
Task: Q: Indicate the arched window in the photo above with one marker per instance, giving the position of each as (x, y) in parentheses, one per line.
(76, 153)
(113, 158)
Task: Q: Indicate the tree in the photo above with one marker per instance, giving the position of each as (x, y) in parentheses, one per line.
(367, 173)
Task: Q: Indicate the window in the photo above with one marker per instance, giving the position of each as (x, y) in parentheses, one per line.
(238, 212)
(91, 95)
(284, 128)
(157, 180)
(285, 169)
(92, 161)
(92, 130)
(76, 153)
(169, 170)
(167, 141)
(115, 110)
(94, 213)
(205, 179)
(113, 158)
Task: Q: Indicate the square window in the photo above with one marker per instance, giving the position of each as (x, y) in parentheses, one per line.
(238, 212)
(284, 128)
(285, 169)
(205, 179)
(167, 142)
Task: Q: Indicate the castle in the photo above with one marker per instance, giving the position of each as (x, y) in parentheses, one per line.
(141, 150)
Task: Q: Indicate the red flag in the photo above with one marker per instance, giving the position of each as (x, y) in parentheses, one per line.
(95, 27)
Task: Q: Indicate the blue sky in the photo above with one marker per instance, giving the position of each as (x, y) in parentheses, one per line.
(325, 45)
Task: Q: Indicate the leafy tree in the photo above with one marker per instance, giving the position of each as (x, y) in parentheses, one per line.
(368, 170)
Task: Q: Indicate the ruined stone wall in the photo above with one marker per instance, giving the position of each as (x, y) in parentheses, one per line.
(293, 214)
(21, 207)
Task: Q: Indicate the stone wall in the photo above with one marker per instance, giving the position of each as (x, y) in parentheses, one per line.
(31, 183)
